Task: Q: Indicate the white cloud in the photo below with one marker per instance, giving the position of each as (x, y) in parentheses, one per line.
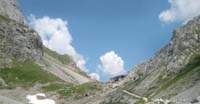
(112, 64)
(180, 10)
(56, 36)
(94, 76)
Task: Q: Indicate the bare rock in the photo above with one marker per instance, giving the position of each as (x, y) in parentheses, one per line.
(18, 41)
(10, 9)
(2, 83)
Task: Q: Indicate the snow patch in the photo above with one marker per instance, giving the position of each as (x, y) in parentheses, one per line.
(39, 98)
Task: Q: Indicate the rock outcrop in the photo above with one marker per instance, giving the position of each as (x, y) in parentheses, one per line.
(170, 60)
(173, 73)
(2, 83)
(10, 9)
(17, 40)
(26, 67)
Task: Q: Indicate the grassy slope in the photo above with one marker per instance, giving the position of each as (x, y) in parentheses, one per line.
(78, 91)
(118, 103)
(26, 74)
(193, 67)
(189, 72)
(3, 18)
(141, 101)
(64, 59)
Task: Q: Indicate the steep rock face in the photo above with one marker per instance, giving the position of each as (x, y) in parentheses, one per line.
(18, 41)
(10, 9)
(173, 69)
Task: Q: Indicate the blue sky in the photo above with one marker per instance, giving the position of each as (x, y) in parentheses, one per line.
(130, 28)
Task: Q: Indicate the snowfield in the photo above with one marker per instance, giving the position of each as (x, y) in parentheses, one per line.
(39, 98)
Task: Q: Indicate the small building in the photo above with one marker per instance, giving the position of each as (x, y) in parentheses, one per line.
(117, 78)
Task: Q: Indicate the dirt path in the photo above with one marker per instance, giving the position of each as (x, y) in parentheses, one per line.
(134, 95)
(152, 101)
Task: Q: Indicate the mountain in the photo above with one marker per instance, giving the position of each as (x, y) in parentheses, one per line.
(63, 67)
(18, 41)
(29, 70)
(28, 67)
(173, 73)
(11, 9)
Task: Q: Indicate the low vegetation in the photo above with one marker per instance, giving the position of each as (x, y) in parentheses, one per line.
(65, 59)
(26, 74)
(82, 73)
(118, 103)
(129, 86)
(77, 91)
(4, 18)
(192, 67)
(141, 101)
(188, 72)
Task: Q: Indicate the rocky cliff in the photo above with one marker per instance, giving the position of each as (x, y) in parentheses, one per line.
(27, 67)
(173, 72)
(18, 41)
(11, 9)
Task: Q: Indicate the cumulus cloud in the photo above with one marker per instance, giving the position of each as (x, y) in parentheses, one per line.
(94, 76)
(112, 64)
(180, 10)
(56, 36)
